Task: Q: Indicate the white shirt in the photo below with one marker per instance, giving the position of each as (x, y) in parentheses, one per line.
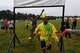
(10, 23)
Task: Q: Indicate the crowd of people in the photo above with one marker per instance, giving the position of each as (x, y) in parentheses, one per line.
(70, 24)
(46, 30)
(6, 26)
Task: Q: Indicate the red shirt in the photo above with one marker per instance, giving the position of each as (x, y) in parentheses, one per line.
(6, 22)
(75, 20)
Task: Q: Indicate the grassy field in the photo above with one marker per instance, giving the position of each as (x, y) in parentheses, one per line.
(71, 46)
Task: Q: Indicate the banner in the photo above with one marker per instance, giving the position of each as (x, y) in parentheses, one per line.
(18, 3)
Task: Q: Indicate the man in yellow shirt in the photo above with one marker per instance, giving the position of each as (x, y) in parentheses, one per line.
(45, 30)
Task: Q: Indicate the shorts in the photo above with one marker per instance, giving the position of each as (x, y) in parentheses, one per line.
(43, 45)
(49, 47)
(6, 27)
(2, 27)
(27, 26)
(11, 28)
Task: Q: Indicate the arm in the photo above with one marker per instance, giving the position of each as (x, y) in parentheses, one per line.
(35, 32)
(76, 32)
(40, 14)
(54, 33)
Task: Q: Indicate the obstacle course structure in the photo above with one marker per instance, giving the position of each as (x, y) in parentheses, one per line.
(38, 4)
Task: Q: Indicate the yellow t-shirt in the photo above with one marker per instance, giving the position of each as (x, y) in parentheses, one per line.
(28, 22)
(44, 33)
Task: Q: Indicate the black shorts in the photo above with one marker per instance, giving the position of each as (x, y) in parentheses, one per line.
(10, 27)
(43, 45)
(49, 47)
(27, 26)
(6, 27)
(2, 27)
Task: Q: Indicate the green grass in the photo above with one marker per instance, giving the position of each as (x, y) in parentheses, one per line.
(71, 46)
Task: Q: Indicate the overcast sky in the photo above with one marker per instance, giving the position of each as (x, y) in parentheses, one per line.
(72, 7)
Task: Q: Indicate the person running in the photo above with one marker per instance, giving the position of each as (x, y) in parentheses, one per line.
(46, 30)
(10, 25)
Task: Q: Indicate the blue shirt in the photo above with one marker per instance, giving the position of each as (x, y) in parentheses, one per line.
(1, 23)
(34, 22)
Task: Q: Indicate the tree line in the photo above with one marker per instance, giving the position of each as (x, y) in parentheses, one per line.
(21, 16)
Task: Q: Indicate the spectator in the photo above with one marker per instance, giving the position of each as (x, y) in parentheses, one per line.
(10, 25)
(6, 24)
(2, 26)
(74, 23)
(67, 26)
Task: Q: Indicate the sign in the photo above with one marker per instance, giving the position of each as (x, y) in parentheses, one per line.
(18, 3)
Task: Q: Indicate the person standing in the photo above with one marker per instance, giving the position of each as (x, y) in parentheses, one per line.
(6, 25)
(11, 27)
(2, 25)
(67, 26)
(74, 23)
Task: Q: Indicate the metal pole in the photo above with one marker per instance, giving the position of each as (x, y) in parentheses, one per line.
(63, 13)
(14, 28)
(8, 50)
(15, 36)
(14, 19)
(62, 42)
(17, 39)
